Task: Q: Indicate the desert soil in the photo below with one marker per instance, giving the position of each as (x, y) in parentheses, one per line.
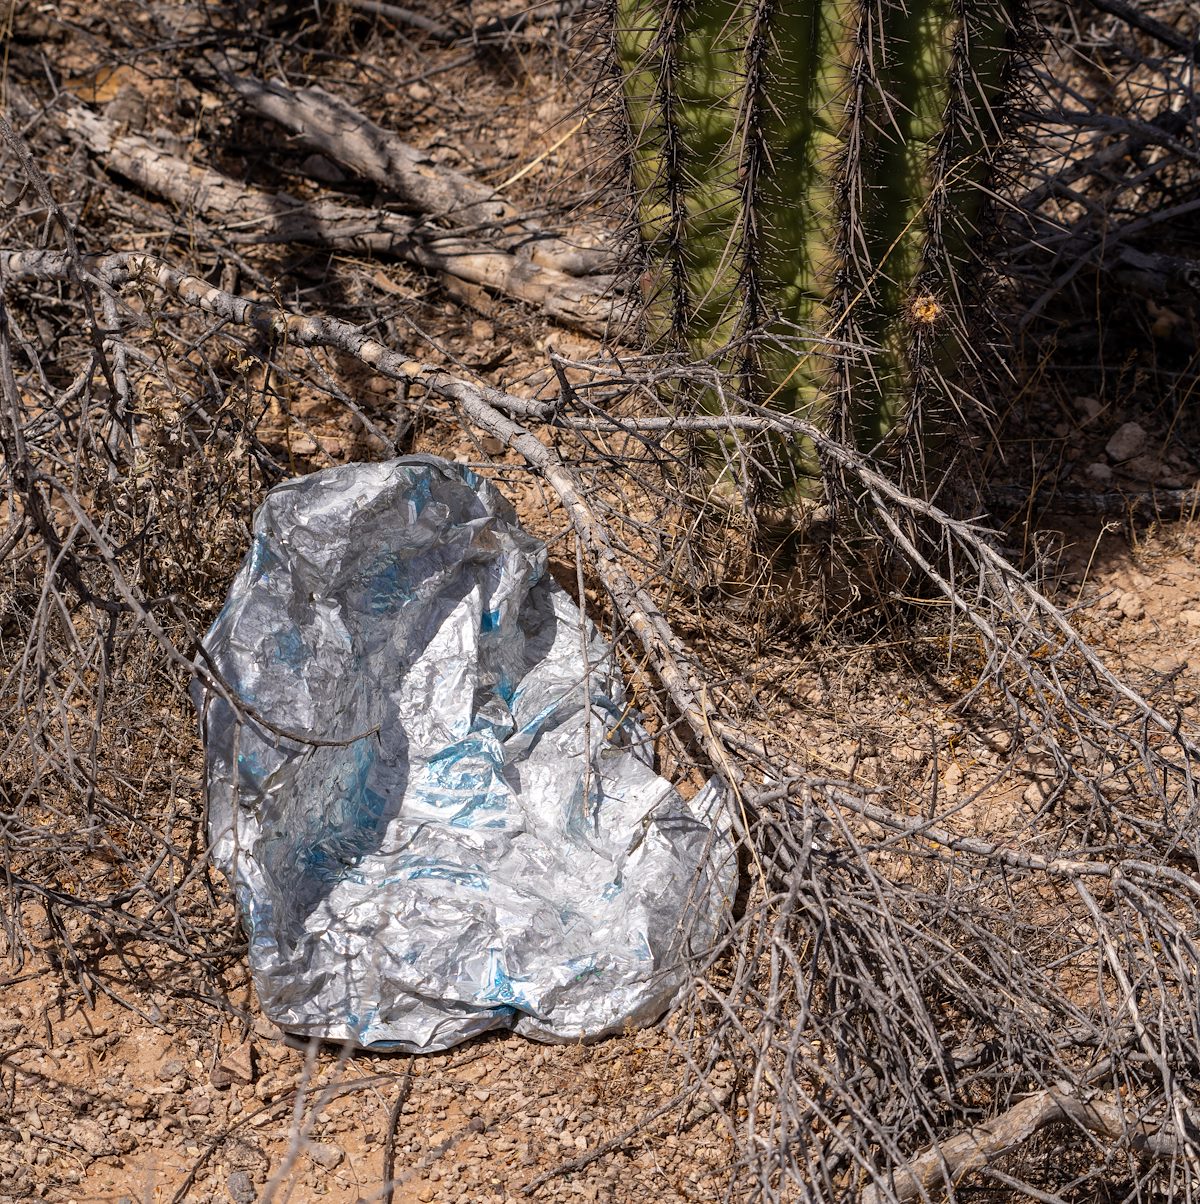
(147, 1091)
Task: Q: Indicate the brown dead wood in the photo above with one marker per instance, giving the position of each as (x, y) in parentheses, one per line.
(488, 409)
(250, 215)
(949, 1161)
(403, 16)
(337, 130)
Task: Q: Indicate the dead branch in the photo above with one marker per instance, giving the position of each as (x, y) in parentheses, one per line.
(1131, 15)
(331, 126)
(484, 407)
(249, 215)
(948, 1162)
(403, 16)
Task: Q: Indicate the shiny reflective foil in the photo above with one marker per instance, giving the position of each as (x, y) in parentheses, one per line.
(436, 809)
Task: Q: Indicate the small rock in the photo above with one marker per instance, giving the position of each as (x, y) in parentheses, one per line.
(265, 1030)
(241, 1188)
(482, 332)
(169, 1070)
(998, 740)
(909, 755)
(88, 1136)
(953, 775)
(1131, 606)
(1129, 441)
(1143, 468)
(1090, 406)
(1099, 474)
(221, 1079)
(326, 1154)
(236, 1065)
(419, 91)
(1172, 662)
(482, 1094)
(1037, 792)
(1190, 617)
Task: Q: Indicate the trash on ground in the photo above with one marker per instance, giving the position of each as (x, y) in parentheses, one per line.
(438, 813)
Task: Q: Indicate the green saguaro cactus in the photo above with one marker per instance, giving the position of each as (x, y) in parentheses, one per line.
(809, 175)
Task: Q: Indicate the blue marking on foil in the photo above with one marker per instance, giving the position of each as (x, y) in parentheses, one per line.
(466, 776)
(420, 495)
(291, 648)
(583, 967)
(503, 990)
(259, 556)
(534, 725)
(386, 587)
(346, 829)
(437, 870)
(489, 621)
(251, 769)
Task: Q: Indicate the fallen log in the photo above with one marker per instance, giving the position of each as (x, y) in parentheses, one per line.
(250, 215)
(327, 124)
(949, 1161)
(404, 16)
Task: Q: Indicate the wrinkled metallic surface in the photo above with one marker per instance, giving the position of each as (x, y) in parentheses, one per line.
(472, 847)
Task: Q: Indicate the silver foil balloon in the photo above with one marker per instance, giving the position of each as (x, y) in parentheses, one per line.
(438, 813)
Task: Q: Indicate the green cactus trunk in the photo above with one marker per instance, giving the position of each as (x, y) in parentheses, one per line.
(809, 175)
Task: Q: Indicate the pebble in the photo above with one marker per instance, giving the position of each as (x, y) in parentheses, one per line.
(326, 1154)
(1190, 617)
(1036, 793)
(999, 740)
(1172, 662)
(909, 755)
(88, 1135)
(1131, 606)
(1098, 473)
(240, 1188)
(170, 1070)
(1128, 441)
(1145, 468)
(953, 775)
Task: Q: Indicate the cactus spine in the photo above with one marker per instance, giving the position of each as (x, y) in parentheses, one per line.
(809, 174)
